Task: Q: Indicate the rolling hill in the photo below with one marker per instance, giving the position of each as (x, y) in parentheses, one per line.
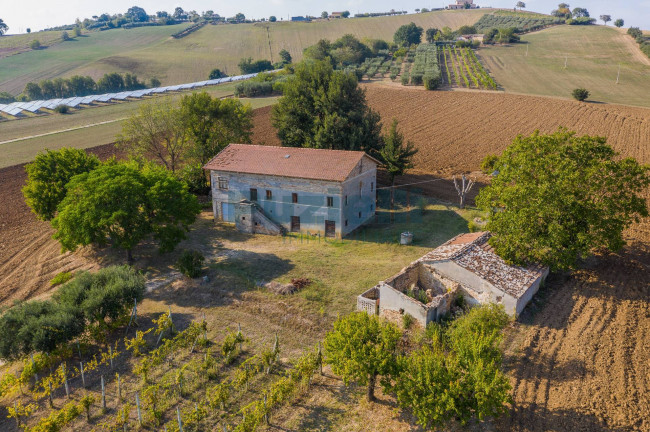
(150, 51)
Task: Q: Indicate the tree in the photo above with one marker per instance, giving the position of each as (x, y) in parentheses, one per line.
(362, 348)
(272, 18)
(323, 108)
(559, 197)
(430, 34)
(394, 155)
(562, 11)
(28, 30)
(457, 376)
(619, 23)
(35, 44)
(348, 50)
(240, 17)
(216, 74)
(77, 31)
(248, 66)
(605, 18)
(466, 30)
(48, 175)
(580, 12)
(417, 10)
(179, 13)
(408, 34)
(580, 94)
(65, 36)
(345, 14)
(154, 82)
(520, 5)
(156, 131)
(211, 124)
(324, 14)
(120, 205)
(3, 27)
(285, 56)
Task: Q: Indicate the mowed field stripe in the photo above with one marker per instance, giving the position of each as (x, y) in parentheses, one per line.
(62, 131)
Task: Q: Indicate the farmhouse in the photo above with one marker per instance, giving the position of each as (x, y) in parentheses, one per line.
(463, 4)
(271, 190)
(336, 15)
(466, 265)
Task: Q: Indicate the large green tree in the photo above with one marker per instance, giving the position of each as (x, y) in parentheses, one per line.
(212, 123)
(362, 348)
(120, 204)
(3, 27)
(558, 197)
(323, 108)
(48, 175)
(408, 34)
(394, 154)
(458, 375)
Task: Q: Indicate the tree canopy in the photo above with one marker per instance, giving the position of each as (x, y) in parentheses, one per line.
(48, 175)
(346, 50)
(362, 348)
(120, 204)
(559, 197)
(457, 376)
(408, 34)
(431, 34)
(3, 27)
(324, 108)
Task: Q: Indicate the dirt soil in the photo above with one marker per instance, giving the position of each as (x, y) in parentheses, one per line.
(579, 356)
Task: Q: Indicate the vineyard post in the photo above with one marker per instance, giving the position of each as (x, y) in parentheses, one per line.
(103, 394)
(205, 329)
(566, 61)
(266, 414)
(110, 355)
(171, 320)
(50, 394)
(137, 405)
(83, 376)
(119, 388)
(618, 76)
(79, 350)
(65, 382)
(239, 334)
(320, 357)
(35, 373)
(180, 423)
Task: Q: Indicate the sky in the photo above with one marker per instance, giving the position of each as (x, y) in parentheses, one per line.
(40, 14)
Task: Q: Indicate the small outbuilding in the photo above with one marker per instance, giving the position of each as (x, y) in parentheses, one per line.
(465, 265)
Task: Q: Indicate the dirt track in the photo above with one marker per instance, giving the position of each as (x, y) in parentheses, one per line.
(579, 358)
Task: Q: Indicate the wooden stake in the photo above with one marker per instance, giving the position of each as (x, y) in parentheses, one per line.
(180, 423)
(83, 376)
(50, 395)
(119, 389)
(266, 415)
(239, 333)
(65, 382)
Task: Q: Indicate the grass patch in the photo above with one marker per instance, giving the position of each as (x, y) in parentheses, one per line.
(61, 278)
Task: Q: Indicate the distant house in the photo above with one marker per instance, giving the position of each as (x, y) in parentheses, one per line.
(465, 265)
(461, 4)
(336, 15)
(271, 190)
(300, 19)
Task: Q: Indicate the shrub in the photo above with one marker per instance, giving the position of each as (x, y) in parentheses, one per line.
(61, 278)
(253, 89)
(194, 177)
(431, 82)
(405, 78)
(416, 80)
(77, 31)
(190, 263)
(62, 109)
(35, 44)
(65, 36)
(487, 165)
(407, 320)
(580, 94)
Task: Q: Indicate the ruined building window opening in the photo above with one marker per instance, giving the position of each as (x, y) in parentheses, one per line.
(222, 182)
(294, 198)
(359, 215)
(346, 200)
(330, 201)
(253, 194)
(269, 194)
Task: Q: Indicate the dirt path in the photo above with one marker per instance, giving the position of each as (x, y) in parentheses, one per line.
(62, 130)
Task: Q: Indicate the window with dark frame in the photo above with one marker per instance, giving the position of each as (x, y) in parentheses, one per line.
(253, 194)
(269, 194)
(330, 201)
(222, 183)
(294, 198)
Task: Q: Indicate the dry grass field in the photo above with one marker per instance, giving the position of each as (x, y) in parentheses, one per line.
(151, 52)
(593, 55)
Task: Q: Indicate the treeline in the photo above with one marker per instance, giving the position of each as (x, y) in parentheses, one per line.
(379, 14)
(641, 39)
(89, 301)
(84, 85)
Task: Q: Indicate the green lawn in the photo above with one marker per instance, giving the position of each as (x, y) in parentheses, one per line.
(593, 55)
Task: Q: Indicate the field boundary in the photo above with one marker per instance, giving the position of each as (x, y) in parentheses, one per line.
(62, 131)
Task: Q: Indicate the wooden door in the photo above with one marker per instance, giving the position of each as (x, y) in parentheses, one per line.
(295, 223)
(330, 229)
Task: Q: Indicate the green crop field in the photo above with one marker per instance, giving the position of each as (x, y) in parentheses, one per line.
(151, 52)
(593, 55)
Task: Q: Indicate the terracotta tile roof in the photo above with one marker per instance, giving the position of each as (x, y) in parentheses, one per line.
(314, 164)
(472, 252)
